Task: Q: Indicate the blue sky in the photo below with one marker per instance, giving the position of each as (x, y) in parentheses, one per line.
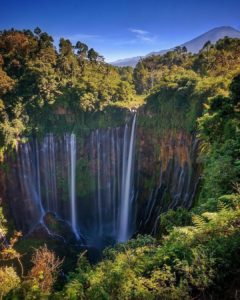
(121, 28)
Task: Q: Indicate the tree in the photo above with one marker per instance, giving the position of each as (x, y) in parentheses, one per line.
(178, 49)
(82, 49)
(93, 56)
(6, 83)
(140, 78)
(235, 89)
(37, 31)
(207, 46)
(46, 266)
(45, 40)
(8, 251)
(65, 47)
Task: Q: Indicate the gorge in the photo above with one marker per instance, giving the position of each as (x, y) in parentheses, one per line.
(46, 174)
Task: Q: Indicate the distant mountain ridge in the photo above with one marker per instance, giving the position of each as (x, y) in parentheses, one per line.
(193, 45)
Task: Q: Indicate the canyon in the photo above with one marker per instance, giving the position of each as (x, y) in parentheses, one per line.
(103, 187)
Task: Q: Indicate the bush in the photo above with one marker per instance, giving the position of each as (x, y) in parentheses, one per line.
(45, 269)
(9, 280)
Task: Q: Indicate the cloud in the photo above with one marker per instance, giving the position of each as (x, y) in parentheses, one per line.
(142, 36)
(139, 31)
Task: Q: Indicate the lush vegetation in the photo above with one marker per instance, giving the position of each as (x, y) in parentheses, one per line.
(178, 83)
(196, 253)
(42, 88)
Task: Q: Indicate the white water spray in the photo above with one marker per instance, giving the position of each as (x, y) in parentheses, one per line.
(73, 184)
(127, 184)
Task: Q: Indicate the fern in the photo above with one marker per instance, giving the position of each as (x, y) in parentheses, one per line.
(188, 230)
(210, 216)
(222, 206)
(199, 222)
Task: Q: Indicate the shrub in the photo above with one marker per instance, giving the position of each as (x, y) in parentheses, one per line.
(9, 280)
(45, 269)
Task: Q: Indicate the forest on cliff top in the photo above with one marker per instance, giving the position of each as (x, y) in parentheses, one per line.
(195, 253)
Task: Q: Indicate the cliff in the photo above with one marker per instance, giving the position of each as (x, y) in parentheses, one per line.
(89, 180)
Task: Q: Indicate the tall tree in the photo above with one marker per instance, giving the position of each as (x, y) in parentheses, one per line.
(94, 56)
(82, 49)
(65, 47)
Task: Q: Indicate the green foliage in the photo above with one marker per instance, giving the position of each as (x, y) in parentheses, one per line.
(196, 253)
(219, 131)
(41, 89)
(9, 280)
(85, 182)
(3, 223)
(179, 83)
(173, 103)
(220, 60)
(138, 241)
(188, 261)
(75, 288)
(171, 219)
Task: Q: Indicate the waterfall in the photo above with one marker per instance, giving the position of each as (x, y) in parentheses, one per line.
(113, 165)
(49, 180)
(127, 191)
(73, 184)
(48, 161)
(87, 183)
(178, 177)
(29, 179)
(99, 205)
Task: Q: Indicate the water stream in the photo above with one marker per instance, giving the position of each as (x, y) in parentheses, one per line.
(51, 181)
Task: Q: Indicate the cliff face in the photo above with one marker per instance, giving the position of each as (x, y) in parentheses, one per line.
(89, 183)
(168, 174)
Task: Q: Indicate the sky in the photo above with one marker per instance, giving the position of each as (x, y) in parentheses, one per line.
(121, 28)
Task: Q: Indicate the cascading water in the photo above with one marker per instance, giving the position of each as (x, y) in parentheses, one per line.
(47, 159)
(127, 191)
(72, 183)
(48, 173)
(88, 187)
(174, 173)
(113, 165)
(30, 184)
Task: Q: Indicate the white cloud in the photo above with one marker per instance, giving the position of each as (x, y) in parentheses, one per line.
(142, 36)
(139, 31)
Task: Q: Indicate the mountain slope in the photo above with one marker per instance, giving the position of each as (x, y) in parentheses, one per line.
(213, 35)
(193, 45)
(126, 62)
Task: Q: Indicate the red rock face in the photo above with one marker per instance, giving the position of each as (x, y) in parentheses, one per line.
(175, 146)
(168, 174)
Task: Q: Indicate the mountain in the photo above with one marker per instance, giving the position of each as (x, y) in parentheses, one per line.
(126, 62)
(193, 46)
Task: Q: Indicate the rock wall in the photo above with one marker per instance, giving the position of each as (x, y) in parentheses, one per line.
(168, 174)
(165, 175)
